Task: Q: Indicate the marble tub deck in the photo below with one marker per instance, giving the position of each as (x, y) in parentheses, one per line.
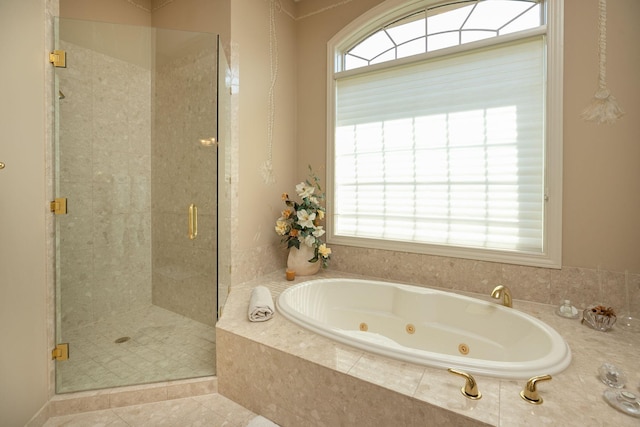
(283, 359)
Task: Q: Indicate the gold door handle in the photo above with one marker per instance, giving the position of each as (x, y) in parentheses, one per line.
(1, 165)
(193, 221)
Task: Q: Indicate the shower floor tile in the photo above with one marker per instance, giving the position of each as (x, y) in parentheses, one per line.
(161, 346)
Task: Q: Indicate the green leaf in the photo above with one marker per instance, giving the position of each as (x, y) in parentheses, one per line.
(293, 242)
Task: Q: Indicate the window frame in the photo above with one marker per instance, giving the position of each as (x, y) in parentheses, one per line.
(389, 10)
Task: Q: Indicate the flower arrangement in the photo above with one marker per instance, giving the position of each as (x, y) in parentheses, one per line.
(300, 222)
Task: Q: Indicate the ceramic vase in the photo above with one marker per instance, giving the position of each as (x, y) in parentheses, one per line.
(298, 260)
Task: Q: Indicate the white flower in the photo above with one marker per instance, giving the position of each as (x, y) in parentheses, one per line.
(304, 190)
(318, 231)
(305, 219)
(314, 200)
(282, 227)
(309, 240)
(320, 215)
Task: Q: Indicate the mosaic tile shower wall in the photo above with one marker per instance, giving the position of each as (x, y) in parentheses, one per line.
(103, 159)
(184, 173)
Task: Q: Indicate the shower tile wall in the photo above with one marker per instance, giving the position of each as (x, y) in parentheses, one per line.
(103, 160)
(184, 172)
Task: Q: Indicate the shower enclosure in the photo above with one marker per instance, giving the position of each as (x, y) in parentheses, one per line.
(136, 159)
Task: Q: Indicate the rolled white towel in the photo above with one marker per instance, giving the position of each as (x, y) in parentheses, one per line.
(260, 304)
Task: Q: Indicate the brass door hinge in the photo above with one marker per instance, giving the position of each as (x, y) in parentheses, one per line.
(58, 58)
(59, 206)
(61, 352)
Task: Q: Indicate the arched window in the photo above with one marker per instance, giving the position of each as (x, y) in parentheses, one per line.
(445, 130)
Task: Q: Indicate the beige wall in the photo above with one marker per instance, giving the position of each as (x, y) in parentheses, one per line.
(258, 203)
(23, 266)
(210, 16)
(601, 162)
(188, 15)
(207, 16)
(118, 11)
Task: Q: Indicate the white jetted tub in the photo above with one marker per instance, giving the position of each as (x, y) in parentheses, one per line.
(427, 326)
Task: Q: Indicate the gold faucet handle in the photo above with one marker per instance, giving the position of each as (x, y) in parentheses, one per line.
(470, 389)
(530, 394)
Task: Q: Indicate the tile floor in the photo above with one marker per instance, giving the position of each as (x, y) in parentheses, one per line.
(211, 410)
(162, 346)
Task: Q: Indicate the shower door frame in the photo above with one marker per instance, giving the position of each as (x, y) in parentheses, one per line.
(55, 188)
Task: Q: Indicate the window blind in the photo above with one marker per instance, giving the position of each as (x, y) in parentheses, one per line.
(445, 151)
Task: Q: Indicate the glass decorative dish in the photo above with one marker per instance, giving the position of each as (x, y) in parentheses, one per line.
(612, 376)
(600, 318)
(567, 311)
(623, 401)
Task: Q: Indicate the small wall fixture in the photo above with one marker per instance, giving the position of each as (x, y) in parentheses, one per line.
(61, 352)
(208, 142)
(58, 58)
(59, 206)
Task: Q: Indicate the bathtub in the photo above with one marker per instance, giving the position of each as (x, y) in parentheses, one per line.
(427, 327)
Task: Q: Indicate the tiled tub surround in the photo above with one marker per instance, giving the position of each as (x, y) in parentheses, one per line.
(296, 377)
(583, 286)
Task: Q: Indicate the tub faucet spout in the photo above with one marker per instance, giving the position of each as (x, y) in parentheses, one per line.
(503, 292)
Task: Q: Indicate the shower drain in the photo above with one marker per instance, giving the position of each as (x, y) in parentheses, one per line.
(122, 339)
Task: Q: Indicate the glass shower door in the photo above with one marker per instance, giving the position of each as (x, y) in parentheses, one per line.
(136, 161)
